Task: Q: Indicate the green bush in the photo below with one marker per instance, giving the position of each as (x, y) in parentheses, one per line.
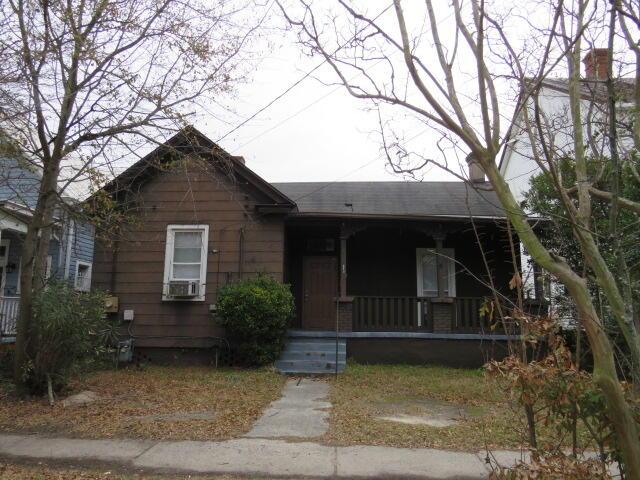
(69, 331)
(256, 313)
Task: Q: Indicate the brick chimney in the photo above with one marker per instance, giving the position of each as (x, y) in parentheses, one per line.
(595, 63)
(476, 174)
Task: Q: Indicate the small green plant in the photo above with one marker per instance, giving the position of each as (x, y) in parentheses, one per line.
(69, 331)
(256, 313)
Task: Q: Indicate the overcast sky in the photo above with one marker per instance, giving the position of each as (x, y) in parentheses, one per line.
(316, 132)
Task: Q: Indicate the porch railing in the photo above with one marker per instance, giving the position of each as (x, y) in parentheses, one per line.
(388, 314)
(416, 314)
(8, 315)
(467, 317)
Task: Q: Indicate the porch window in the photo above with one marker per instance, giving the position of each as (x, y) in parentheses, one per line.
(185, 267)
(83, 276)
(427, 272)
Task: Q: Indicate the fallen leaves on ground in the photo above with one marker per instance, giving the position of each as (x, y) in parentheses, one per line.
(365, 392)
(45, 472)
(127, 396)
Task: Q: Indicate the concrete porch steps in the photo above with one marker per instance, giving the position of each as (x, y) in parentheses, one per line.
(308, 354)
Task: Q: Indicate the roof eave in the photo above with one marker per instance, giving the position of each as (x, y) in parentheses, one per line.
(377, 216)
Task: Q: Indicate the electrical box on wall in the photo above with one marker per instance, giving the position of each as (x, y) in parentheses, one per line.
(111, 304)
(127, 315)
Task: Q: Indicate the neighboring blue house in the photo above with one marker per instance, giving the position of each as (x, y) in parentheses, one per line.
(70, 249)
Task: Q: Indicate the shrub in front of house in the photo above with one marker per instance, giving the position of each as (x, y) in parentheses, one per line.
(69, 331)
(255, 313)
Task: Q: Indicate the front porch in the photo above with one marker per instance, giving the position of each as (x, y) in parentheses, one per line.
(12, 234)
(397, 276)
(11, 238)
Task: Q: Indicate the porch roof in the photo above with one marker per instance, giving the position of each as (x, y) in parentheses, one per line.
(393, 199)
(13, 217)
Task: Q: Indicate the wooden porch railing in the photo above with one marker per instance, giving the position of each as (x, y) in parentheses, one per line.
(8, 315)
(467, 318)
(415, 314)
(391, 314)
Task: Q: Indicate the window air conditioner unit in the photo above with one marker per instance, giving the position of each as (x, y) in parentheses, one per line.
(184, 289)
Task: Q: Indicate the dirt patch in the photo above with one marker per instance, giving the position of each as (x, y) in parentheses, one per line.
(432, 413)
(82, 398)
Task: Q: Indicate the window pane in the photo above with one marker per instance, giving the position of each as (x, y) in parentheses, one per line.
(186, 272)
(448, 267)
(429, 275)
(188, 240)
(187, 255)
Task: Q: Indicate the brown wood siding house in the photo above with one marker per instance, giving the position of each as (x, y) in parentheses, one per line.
(244, 238)
(388, 262)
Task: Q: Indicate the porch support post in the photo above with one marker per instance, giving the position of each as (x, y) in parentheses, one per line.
(439, 238)
(343, 260)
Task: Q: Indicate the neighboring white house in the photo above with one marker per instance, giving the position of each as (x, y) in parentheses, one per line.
(518, 163)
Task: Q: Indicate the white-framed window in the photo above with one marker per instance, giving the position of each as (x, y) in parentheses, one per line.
(185, 262)
(82, 280)
(427, 272)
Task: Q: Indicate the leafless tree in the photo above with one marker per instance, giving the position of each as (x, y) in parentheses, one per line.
(84, 82)
(459, 91)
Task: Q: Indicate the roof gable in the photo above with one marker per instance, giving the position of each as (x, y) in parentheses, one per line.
(191, 141)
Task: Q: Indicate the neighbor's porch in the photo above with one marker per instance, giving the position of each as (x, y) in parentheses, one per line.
(12, 235)
(396, 276)
(12, 231)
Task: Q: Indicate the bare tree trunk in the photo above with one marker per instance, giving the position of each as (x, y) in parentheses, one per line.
(605, 375)
(33, 268)
(623, 269)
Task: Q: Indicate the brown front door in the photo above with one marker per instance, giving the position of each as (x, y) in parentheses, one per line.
(319, 288)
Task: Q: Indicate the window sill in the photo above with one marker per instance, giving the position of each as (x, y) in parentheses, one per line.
(175, 299)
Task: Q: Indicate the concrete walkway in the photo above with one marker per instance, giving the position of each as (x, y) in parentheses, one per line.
(301, 412)
(252, 456)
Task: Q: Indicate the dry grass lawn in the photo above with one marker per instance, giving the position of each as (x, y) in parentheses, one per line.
(44, 472)
(363, 393)
(236, 397)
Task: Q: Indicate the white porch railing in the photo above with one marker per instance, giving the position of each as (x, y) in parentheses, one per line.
(8, 315)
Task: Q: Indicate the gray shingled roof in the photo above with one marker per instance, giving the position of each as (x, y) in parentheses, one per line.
(595, 89)
(409, 199)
